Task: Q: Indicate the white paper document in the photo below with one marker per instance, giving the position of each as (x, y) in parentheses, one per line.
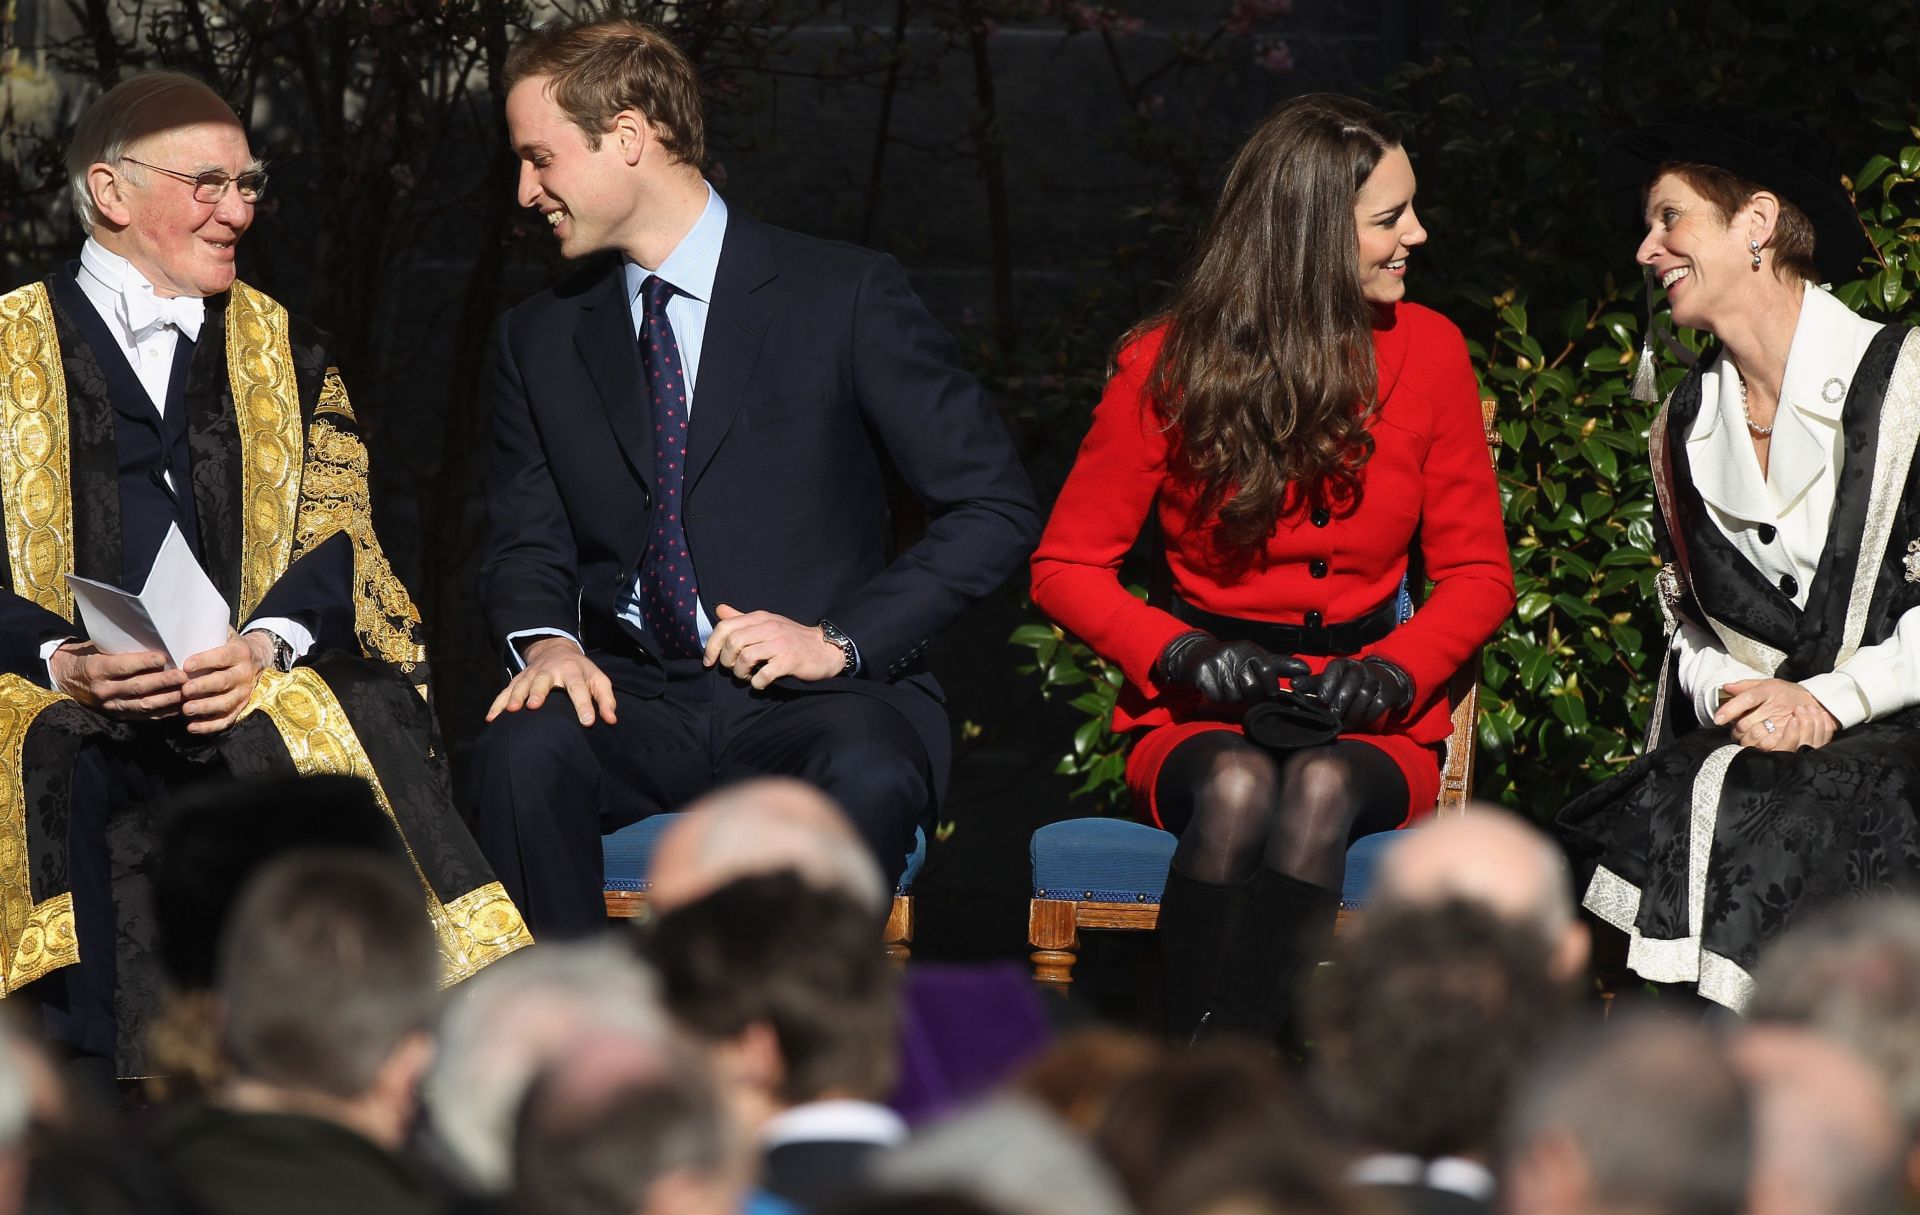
(178, 613)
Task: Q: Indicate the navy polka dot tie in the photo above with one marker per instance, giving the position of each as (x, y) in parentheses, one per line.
(667, 587)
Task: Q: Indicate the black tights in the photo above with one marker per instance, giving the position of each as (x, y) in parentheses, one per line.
(1236, 807)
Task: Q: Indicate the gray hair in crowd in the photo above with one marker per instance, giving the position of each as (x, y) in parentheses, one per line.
(765, 825)
(121, 115)
(328, 964)
(597, 1141)
(1488, 855)
(1009, 1154)
(1659, 1117)
(1852, 973)
(509, 1023)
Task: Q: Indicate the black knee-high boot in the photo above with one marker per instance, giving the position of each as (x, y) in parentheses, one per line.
(1282, 933)
(1198, 923)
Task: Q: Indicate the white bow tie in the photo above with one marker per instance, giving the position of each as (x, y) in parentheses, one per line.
(147, 314)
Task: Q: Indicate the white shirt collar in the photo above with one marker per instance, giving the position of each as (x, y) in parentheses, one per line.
(691, 267)
(1827, 344)
(1454, 1173)
(138, 310)
(1828, 340)
(836, 1121)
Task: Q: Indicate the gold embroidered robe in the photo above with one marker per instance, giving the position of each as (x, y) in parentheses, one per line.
(279, 471)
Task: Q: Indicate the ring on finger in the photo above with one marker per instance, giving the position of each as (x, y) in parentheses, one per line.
(1766, 723)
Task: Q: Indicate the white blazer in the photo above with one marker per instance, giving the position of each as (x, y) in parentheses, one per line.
(1779, 521)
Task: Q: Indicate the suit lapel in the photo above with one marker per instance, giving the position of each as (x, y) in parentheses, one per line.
(606, 345)
(736, 321)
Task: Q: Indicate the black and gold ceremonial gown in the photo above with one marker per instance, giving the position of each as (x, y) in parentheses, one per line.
(1702, 850)
(278, 473)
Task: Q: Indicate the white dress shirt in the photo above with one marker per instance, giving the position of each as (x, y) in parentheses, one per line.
(1790, 506)
(137, 318)
(148, 329)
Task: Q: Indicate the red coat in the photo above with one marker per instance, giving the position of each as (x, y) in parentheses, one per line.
(1429, 478)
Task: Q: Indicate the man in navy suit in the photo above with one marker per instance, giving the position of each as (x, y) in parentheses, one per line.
(687, 566)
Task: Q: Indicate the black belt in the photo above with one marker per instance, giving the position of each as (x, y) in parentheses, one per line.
(1347, 637)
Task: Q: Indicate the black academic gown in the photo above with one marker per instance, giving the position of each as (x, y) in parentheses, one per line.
(1702, 850)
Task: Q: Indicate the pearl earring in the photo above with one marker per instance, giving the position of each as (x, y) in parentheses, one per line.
(1755, 246)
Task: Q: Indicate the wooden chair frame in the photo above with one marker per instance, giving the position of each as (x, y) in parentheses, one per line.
(896, 937)
(1054, 925)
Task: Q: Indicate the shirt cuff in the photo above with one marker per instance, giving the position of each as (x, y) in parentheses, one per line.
(514, 640)
(46, 655)
(1840, 695)
(295, 634)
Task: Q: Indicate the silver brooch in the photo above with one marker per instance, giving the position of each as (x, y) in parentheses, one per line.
(1833, 390)
(1912, 561)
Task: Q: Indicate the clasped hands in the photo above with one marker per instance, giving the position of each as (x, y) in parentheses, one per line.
(209, 689)
(1237, 674)
(1774, 715)
(759, 647)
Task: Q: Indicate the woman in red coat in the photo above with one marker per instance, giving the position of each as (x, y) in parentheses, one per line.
(1298, 432)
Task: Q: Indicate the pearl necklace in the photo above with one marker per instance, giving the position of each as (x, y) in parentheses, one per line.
(1759, 432)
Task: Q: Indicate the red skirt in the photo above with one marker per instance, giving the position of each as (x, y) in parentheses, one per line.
(1419, 763)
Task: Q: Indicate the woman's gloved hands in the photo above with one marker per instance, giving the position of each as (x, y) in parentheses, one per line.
(1362, 691)
(1225, 672)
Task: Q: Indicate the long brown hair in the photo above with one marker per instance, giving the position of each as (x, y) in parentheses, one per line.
(1266, 374)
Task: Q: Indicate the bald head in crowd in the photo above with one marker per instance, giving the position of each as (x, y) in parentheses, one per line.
(762, 826)
(1635, 1117)
(1827, 1136)
(1491, 857)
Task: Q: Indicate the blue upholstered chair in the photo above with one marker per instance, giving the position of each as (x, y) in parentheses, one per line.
(628, 854)
(1106, 873)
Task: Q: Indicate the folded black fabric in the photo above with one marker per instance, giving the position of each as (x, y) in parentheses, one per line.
(1289, 722)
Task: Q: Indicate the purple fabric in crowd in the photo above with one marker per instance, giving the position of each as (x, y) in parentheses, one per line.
(963, 1030)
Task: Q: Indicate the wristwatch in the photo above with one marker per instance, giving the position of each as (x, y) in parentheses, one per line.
(282, 650)
(832, 633)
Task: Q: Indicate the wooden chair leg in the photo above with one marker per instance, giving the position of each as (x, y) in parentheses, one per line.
(1051, 932)
(899, 934)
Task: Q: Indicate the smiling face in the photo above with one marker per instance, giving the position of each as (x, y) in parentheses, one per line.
(1386, 227)
(181, 246)
(1699, 255)
(589, 195)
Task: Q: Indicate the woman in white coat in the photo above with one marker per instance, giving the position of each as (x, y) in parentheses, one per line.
(1784, 769)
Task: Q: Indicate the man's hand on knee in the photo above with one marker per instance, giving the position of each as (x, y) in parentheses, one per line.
(220, 680)
(133, 686)
(556, 662)
(760, 647)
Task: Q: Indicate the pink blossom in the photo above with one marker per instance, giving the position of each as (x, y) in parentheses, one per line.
(1275, 57)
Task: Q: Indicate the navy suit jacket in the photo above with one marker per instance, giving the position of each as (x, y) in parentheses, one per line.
(819, 368)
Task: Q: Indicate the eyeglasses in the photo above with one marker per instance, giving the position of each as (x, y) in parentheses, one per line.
(210, 187)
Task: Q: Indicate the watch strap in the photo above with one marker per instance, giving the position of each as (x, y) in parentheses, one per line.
(832, 633)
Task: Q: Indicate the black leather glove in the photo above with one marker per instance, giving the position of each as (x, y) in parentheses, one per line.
(1362, 691)
(1225, 672)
